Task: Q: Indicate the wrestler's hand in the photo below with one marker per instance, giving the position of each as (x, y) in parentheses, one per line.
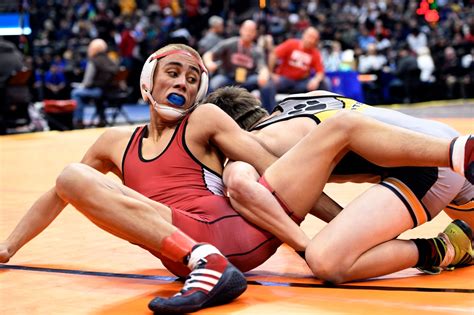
(4, 253)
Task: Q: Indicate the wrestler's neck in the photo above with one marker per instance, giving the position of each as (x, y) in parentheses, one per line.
(157, 127)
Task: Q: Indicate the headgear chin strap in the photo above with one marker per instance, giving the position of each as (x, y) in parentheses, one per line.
(168, 113)
(146, 85)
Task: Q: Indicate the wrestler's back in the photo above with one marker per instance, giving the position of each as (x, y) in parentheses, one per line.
(281, 137)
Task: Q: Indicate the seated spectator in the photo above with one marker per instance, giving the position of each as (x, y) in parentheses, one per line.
(416, 39)
(427, 74)
(426, 64)
(299, 66)
(408, 73)
(213, 35)
(451, 73)
(238, 60)
(348, 62)
(11, 60)
(372, 63)
(55, 84)
(333, 58)
(364, 39)
(100, 70)
(467, 62)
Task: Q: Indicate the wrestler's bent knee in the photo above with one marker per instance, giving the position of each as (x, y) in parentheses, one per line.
(325, 265)
(240, 188)
(71, 178)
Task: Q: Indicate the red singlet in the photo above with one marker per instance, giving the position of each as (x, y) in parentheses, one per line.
(194, 193)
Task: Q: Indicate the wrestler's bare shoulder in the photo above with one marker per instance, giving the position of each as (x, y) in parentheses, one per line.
(114, 140)
(206, 109)
(209, 116)
(118, 133)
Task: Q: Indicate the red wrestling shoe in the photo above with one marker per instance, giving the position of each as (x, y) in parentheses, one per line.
(212, 281)
(461, 153)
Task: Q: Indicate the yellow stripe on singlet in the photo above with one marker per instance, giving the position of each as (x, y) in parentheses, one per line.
(415, 206)
(349, 104)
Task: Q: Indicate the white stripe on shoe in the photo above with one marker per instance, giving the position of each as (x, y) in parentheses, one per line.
(204, 279)
(199, 285)
(210, 280)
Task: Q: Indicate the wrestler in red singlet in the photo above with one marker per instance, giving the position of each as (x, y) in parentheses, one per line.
(195, 195)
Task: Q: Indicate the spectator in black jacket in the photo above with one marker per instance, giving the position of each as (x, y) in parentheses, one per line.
(100, 70)
(11, 60)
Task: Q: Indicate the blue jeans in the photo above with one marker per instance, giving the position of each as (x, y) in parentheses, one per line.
(81, 95)
(267, 92)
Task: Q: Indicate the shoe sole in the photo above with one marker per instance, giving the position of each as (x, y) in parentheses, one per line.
(230, 286)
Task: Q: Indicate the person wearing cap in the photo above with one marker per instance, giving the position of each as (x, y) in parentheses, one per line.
(170, 200)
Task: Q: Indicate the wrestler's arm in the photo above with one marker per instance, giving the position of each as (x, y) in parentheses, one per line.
(257, 204)
(235, 143)
(49, 205)
(326, 208)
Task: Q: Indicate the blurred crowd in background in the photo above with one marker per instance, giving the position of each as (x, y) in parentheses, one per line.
(389, 39)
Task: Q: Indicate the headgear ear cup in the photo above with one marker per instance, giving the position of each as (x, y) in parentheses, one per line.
(203, 86)
(146, 77)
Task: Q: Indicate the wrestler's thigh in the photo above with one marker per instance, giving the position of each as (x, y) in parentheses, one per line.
(374, 217)
(94, 184)
(300, 174)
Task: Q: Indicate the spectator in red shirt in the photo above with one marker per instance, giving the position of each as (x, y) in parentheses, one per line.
(299, 66)
(126, 46)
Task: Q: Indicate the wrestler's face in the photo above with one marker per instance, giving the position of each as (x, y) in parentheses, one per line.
(177, 75)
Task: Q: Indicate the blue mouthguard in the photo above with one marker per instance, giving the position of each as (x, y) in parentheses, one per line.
(176, 99)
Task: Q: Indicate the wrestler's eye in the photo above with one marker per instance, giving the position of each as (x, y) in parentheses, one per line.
(173, 74)
(192, 80)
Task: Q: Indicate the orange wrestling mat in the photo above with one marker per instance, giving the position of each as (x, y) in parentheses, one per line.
(73, 267)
